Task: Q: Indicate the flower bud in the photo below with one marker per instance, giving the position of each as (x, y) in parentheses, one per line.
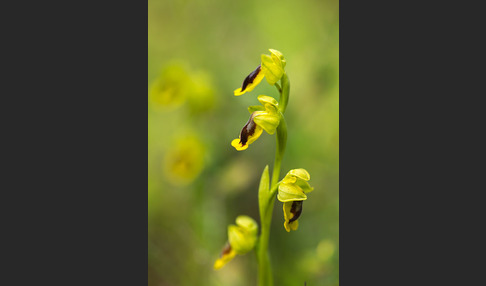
(266, 117)
(294, 186)
(242, 238)
(273, 66)
(292, 192)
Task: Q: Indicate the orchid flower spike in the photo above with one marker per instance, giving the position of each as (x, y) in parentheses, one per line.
(272, 67)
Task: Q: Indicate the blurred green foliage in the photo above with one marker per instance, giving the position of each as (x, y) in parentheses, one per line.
(199, 52)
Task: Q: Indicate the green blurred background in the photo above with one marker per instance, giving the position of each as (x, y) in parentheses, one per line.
(198, 53)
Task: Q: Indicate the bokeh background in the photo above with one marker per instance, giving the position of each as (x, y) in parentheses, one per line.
(198, 53)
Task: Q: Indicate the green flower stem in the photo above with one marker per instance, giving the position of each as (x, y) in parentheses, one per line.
(280, 150)
(265, 277)
(284, 93)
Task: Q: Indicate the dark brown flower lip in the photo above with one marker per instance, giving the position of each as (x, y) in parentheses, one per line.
(226, 250)
(296, 209)
(251, 77)
(248, 130)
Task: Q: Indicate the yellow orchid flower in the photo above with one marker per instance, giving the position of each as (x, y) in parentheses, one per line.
(263, 117)
(170, 89)
(242, 238)
(184, 160)
(271, 67)
(292, 192)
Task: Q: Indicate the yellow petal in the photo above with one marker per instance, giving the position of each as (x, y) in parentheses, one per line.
(289, 179)
(306, 188)
(272, 71)
(290, 193)
(238, 91)
(246, 222)
(253, 108)
(226, 256)
(288, 216)
(269, 122)
(267, 99)
(250, 82)
(300, 173)
(278, 57)
(292, 226)
(240, 239)
(236, 143)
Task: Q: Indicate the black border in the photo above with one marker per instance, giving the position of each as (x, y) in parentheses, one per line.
(405, 135)
(82, 213)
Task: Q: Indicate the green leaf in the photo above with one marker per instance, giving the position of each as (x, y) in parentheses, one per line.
(264, 191)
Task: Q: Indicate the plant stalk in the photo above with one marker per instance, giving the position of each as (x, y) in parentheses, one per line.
(265, 277)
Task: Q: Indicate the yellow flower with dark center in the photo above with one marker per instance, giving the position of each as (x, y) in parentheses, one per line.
(292, 192)
(263, 117)
(170, 89)
(242, 238)
(272, 68)
(184, 161)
